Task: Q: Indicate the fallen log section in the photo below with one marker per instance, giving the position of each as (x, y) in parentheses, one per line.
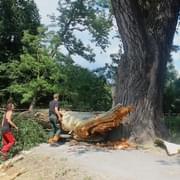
(86, 126)
(101, 124)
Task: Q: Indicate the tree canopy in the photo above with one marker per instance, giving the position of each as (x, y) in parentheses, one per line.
(15, 17)
(36, 61)
(78, 17)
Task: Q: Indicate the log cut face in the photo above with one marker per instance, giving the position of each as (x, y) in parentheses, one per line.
(102, 124)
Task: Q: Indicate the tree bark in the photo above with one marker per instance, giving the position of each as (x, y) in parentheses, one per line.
(147, 29)
(99, 126)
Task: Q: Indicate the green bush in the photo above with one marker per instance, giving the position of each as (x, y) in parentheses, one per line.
(173, 124)
(30, 134)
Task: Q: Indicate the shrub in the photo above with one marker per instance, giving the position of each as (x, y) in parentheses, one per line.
(173, 123)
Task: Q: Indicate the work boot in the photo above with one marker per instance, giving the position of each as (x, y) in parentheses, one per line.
(56, 138)
(50, 140)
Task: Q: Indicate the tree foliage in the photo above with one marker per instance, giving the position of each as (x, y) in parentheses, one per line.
(78, 16)
(36, 73)
(35, 65)
(38, 67)
(15, 17)
(85, 90)
(170, 89)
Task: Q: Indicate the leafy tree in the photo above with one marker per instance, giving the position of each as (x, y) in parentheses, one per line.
(177, 95)
(170, 89)
(85, 90)
(76, 17)
(15, 17)
(36, 73)
(147, 29)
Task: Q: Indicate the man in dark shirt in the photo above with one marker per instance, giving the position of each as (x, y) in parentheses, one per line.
(54, 118)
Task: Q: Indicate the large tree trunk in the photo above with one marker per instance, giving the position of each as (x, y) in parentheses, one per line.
(147, 29)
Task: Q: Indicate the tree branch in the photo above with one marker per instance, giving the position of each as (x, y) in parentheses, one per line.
(78, 29)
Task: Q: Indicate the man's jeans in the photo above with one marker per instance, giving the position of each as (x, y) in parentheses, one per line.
(55, 125)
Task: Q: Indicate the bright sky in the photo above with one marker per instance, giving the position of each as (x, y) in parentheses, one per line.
(48, 7)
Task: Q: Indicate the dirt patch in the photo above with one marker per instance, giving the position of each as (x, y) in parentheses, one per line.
(46, 163)
(82, 161)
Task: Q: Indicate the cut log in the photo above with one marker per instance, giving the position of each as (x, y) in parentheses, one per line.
(103, 123)
(40, 116)
(73, 119)
(88, 126)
